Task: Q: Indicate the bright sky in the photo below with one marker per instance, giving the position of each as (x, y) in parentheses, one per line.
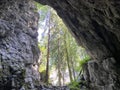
(40, 31)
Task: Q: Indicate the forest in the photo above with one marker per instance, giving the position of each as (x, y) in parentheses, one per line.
(62, 59)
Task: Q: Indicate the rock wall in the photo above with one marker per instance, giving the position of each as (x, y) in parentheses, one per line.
(19, 52)
(94, 23)
(96, 26)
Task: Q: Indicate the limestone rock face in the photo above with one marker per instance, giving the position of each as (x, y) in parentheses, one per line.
(96, 26)
(19, 52)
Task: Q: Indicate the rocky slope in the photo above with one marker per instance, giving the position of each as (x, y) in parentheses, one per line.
(19, 52)
(96, 26)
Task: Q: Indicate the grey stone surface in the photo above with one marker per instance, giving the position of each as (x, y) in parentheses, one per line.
(19, 52)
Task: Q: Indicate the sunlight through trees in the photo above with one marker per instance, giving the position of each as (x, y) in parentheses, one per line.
(62, 59)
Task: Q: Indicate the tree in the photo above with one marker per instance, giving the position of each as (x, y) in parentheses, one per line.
(48, 53)
(68, 59)
(62, 51)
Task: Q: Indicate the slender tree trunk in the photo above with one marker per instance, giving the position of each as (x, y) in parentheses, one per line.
(73, 70)
(48, 52)
(47, 65)
(63, 75)
(68, 62)
(59, 62)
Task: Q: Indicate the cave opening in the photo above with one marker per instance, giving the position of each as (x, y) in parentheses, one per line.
(95, 24)
(62, 59)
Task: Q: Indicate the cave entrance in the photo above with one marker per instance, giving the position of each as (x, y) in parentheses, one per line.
(62, 60)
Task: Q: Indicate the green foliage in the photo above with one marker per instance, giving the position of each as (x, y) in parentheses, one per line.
(43, 73)
(38, 5)
(74, 85)
(42, 48)
(42, 10)
(61, 41)
(83, 62)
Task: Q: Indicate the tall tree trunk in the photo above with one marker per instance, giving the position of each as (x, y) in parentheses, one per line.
(47, 65)
(73, 70)
(59, 62)
(63, 78)
(48, 51)
(68, 60)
